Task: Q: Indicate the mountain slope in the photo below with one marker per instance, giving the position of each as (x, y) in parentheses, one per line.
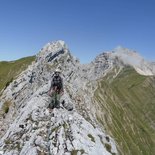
(9, 70)
(27, 127)
(107, 102)
(127, 107)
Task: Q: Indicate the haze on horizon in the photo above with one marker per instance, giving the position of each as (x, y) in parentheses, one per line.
(87, 27)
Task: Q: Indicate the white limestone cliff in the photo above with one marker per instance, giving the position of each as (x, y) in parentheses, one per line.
(29, 129)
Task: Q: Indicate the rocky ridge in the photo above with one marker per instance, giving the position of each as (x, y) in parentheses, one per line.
(27, 127)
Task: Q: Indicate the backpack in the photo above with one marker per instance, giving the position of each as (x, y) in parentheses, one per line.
(57, 82)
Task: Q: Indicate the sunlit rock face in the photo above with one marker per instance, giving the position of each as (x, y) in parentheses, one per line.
(27, 126)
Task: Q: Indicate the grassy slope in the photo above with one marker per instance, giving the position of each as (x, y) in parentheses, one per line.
(9, 70)
(127, 105)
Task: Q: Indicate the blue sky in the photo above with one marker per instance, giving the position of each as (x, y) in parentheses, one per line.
(89, 27)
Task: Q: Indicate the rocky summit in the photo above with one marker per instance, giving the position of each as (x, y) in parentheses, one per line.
(86, 122)
(28, 128)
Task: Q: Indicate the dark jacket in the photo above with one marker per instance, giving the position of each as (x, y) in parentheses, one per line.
(57, 82)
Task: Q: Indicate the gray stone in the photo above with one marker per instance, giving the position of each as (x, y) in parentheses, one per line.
(30, 124)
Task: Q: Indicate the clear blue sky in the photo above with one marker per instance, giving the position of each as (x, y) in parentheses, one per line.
(89, 27)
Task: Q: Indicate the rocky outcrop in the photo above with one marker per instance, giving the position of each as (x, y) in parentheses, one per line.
(28, 128)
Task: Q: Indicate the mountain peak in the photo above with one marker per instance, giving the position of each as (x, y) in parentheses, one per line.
(31, 129)
(54, 46)
(134, 59)
(52, 50)
(120, 50)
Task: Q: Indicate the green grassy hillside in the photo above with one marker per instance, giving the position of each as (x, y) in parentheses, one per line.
(127, 109)
(9, 70)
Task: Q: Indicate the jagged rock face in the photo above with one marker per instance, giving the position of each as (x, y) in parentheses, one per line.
(121, 57)
(27, 127)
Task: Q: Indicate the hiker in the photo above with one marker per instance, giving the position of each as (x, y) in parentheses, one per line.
(56, 89)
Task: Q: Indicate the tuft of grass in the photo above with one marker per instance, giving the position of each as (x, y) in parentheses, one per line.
(8, 83)
(74, 152)
(91, 137)
(108, 147)
(9, 70)
(41, 153)
(18, 147)
(128, 102)
(6, 106)
(55, 129)
(8, 141)
(65, 125)
(82, 151)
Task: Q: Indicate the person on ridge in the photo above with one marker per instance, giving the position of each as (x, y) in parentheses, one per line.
(56, 89)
